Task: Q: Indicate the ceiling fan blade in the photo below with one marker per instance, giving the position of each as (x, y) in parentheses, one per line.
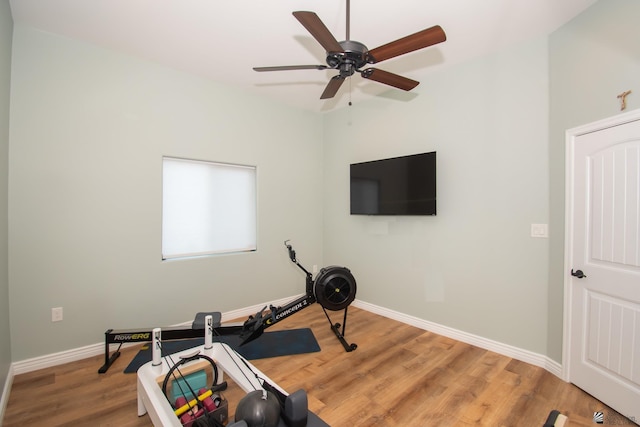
(291, 67)
(319, 31)
(416, 41)
(388, 78)
(332, 87)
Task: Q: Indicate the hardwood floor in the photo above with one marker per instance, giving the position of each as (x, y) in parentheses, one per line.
(399, 376)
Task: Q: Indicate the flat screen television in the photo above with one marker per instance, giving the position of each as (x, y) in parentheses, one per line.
(398, 186)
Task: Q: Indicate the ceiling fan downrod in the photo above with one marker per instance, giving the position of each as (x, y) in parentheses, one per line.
(348, 19)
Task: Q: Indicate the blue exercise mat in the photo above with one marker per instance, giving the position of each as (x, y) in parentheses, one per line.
(269, 344)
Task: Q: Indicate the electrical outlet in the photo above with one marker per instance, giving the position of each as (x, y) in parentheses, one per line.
(56, 314)
(315, 269)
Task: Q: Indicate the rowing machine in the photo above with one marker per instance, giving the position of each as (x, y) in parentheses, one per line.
(334, 289)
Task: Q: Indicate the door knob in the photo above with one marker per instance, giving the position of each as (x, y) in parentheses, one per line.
(578, 273)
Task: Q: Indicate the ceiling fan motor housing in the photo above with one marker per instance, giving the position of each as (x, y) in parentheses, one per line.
(349, 61)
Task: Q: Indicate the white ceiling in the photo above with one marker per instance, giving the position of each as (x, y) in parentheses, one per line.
(223, 40)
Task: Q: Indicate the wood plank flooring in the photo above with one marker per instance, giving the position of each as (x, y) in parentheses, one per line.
(398, 376)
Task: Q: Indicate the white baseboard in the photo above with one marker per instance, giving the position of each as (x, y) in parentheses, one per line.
(5, 393)
(55, 359)
(72, 355)
(536, 359)
(506, 350)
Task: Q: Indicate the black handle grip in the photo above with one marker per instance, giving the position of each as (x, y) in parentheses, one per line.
(292, 253)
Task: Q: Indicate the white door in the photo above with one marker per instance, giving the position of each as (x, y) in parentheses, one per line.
(602, 309)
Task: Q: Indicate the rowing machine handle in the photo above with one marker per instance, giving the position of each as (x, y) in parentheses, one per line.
(292, 253)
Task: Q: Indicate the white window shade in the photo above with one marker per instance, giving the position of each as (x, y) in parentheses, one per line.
(207, 208)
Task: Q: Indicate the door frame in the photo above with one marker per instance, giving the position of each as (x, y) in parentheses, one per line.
(570, 141)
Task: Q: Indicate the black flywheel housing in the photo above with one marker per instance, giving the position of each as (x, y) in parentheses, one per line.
(335, 288)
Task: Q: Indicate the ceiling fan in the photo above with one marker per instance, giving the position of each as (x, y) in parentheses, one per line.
(349, 56)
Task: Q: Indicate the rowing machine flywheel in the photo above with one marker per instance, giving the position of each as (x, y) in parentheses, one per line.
(335, 288)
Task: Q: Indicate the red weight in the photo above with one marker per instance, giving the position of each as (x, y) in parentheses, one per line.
(180, 402)
(188, 421)
(209, 405)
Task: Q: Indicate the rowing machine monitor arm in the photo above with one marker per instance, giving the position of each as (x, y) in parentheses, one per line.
(292, 256)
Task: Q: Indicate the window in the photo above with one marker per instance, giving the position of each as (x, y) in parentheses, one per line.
(207, 208)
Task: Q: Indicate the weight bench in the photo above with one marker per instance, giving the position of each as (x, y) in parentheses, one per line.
(153, 401)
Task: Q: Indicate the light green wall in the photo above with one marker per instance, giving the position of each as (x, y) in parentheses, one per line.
(474, 266)
(592, 59)
(498, 125)
(89, 129)
(6, 31)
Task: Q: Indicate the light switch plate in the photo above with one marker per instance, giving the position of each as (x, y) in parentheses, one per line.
(540, 230)
(56, 314)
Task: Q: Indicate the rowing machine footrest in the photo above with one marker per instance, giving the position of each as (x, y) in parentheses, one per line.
(198, 322)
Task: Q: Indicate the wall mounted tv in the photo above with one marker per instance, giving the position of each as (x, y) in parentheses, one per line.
(397, 186)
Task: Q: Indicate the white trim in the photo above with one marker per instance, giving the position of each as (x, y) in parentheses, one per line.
(5, 393)
(570, 139)
(617, 120)
(527, 356)
(568, 250)
(72, 355)
(55, 359)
